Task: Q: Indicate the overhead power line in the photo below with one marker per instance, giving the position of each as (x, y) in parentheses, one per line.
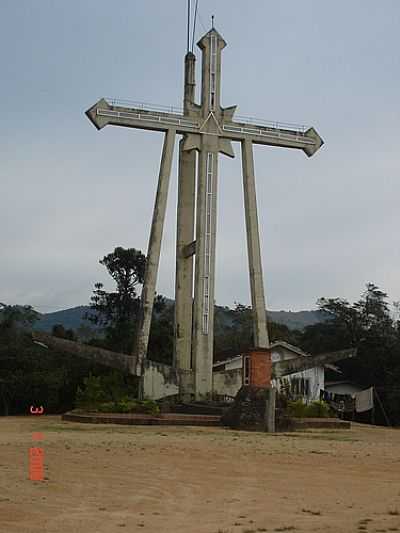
(188, 26)
(194, 24)
(202, 23)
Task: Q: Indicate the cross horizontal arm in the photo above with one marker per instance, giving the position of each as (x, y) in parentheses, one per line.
(307, 140)
(103, 114)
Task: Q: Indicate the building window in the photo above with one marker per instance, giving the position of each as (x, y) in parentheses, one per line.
(300, 387)
(246, 377)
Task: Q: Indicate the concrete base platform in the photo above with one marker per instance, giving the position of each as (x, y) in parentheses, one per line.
(167, 419)
(179, 419)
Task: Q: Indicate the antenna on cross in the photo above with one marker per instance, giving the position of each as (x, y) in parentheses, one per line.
(212, 21)
(188, 26)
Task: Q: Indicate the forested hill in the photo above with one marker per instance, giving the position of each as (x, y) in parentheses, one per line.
(70, 318)
(74, 318)
(297, 319)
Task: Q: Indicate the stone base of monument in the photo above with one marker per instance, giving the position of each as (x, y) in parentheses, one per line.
(199, 408)
(247, 410)
(172, 412)
(136, 419)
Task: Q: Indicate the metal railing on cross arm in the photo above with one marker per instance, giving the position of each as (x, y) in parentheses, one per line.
(145, 106)
(285, 127)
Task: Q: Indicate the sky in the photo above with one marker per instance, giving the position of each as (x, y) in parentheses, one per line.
(70, 194)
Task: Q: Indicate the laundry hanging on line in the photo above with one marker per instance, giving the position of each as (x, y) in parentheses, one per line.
(327, 396)
(364, 400)
(339, 402)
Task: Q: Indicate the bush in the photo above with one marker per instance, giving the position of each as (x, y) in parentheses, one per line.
(297, 409)
(108, 389)
(128, 405)
(92, 394)
(107, 394)
(316, 409)
(105, 407)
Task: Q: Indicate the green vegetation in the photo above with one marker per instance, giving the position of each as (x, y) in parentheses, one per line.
(234, 331)
(116, 312)
(316, 409)
(33, 375)
(108, 394)
(374, 328)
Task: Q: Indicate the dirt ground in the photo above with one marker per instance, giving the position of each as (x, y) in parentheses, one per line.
(107, 478)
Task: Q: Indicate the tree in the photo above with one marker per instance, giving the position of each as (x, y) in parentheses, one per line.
(234, 331)
(161, 340)
(31, 374)
(58, 330)
(15, 318)
(14, 321)
(368, 325)
(117, 311)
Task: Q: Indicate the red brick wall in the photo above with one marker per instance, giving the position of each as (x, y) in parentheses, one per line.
(260, 368)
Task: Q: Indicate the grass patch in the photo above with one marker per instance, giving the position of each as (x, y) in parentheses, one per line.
(316, 409)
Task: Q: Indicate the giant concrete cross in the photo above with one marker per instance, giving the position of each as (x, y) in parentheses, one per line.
(207, 130)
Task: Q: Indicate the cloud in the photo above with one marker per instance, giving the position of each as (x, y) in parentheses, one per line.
(71, 194)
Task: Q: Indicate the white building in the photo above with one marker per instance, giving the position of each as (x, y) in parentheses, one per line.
(227, 375)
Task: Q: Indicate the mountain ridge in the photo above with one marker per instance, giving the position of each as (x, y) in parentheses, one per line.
(73, 318)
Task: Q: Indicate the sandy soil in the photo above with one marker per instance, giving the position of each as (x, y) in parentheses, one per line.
(106, 479)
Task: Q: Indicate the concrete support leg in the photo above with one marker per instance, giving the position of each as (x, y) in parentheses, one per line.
(206, 219)
(153, 253)
(270, 401)
(184, 261)
(253, 247)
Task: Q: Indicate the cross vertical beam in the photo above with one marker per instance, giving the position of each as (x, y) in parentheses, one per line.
(253, 248)
(206, 224)
(153, 252)
(211, 46)
(184, 263)
(183, 324)
(209, 147)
